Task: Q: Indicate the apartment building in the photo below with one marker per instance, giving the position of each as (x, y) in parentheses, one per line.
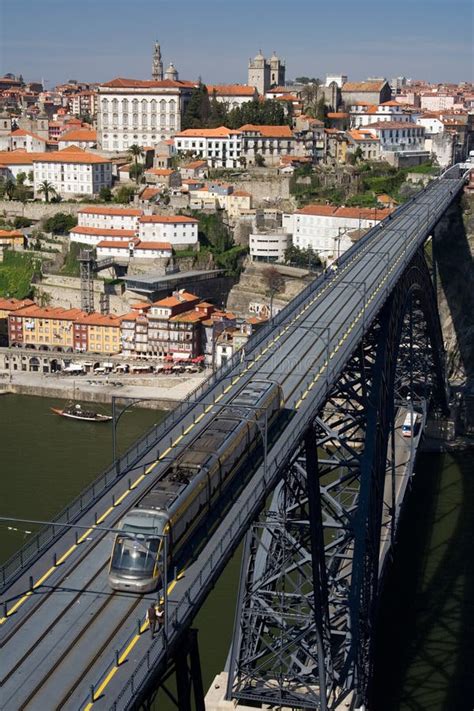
(169, 327)
(270, 142)
(66, 330)
(178, 230)
(72, 171)
(85, 138)
(7, 307)
(220, 147)
(326, 228)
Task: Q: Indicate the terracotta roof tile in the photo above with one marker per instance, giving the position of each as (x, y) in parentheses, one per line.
(168, 219)
(117, 211)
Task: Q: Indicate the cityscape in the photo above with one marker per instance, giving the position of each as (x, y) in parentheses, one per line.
(236, 360)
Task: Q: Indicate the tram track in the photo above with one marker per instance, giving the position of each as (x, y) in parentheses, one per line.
(97, 651)
(255, 368)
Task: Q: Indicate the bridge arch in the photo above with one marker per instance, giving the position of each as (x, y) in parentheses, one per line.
(310, 579)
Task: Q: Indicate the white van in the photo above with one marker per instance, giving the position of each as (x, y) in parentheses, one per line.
(410, 424)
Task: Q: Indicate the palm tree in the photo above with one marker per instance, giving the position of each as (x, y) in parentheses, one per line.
(46, 188)
(135, 152)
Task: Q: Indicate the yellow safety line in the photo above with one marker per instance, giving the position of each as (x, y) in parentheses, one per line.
(100, 689)
(199, 418)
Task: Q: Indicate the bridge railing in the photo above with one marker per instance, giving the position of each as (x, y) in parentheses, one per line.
(46, 536)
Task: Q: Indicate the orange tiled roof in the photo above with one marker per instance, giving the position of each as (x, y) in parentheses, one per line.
(364, 213)
(57, 313)
(122, 83)
(117, 211)
(392, 124)
(72, 154)
(117, 244)
(195, 164)
(99, 231)
(174, 301)
(155, 245)
(337, 115)
(15, 304)
(160, 171)
(11, 233)
(18, 157)
(81, 134)
(363, 86)
(359, 135)
(21, 132)
(231, 90)
(268, 131)
(168, 219)
(96, 319)
(221, 132)
(149, 193)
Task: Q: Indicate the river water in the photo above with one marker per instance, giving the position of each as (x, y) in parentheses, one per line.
(425, 646)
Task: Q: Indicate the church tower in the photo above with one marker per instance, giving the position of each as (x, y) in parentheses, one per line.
(157, 65)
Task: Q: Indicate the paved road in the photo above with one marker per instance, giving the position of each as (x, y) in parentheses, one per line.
(62, 637)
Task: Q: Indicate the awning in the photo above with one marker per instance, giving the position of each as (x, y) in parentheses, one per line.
(181, 356)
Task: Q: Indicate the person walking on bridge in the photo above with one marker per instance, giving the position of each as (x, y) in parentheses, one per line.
(151, 617)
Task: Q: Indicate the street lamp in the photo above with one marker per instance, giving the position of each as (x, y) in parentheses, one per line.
(117, 531)
(115, 420)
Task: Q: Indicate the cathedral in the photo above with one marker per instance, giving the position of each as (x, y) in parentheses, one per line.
(266, 73)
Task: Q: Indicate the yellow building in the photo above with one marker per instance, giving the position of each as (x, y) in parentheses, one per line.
(49, 328)
(98, 333)
(14, 239)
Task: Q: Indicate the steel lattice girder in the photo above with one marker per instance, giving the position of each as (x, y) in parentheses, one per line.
(310, 572)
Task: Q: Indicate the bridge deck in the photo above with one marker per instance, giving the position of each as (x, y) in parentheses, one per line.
(61, 638)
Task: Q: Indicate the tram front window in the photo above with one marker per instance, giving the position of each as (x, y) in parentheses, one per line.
(135, 556)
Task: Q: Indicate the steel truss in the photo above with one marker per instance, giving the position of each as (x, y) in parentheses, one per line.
(311, 569)
(184, 672)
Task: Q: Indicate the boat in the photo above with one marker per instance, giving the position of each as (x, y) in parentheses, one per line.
(76, 412)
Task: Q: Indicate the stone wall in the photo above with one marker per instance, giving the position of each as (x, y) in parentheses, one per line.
(250, 296)
(269, 188)
(66, 292)
(453, 247)
(38, 210)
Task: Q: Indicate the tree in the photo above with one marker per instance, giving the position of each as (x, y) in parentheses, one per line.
(305, 258)
(60, 223)
(274, 283)
(321, 110)
(259, 160)
(135, 152)
(124, 194)
(105, 194)
(10, 188)
(20, 178)
(31, 176)
(198, 109)
(46, 188)
(136, 172)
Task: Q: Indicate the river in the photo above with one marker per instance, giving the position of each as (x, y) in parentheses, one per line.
(425, 645)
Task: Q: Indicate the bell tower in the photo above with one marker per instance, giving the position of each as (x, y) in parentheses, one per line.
(157, 64)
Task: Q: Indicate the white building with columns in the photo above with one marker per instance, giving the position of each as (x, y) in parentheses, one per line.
(142, 112)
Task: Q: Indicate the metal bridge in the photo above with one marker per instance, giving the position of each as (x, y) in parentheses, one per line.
(350, 352)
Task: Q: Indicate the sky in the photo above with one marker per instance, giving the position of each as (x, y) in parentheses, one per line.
(97, 40)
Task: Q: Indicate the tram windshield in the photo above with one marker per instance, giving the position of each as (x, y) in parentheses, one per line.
(135, 555)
